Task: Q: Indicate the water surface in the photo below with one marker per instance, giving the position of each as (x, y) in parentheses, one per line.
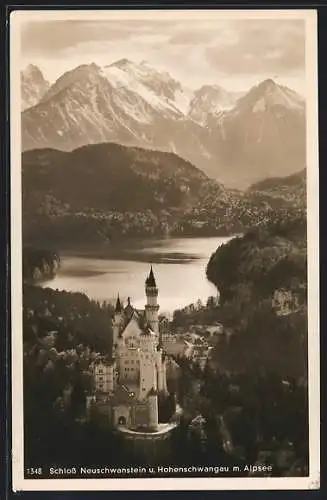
(179, 265)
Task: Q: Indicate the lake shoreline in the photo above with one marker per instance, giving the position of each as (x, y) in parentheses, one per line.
(110, 248)
(125, 249)
(179, 265)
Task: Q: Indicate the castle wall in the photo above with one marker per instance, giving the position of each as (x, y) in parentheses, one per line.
(153, 412)
(161, 372)
(116, 326)
(104, 377)
(151, 447)
(122, 415)
(140, 415)
(129, 365)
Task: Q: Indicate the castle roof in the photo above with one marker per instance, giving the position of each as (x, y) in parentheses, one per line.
(130, 313)
(103, 360)
(147, 332)
(150, 281)
(129, 309)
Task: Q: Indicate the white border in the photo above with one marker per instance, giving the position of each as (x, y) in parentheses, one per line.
(17, 18)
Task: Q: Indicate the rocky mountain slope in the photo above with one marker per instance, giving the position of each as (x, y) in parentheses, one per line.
(264, 135)
(236, 139)
(33, 86)
(209, 103)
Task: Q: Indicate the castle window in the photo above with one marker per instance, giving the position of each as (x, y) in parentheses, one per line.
(101, 378)
(100, 371)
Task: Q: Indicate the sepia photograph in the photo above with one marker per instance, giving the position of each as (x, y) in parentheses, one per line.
(164, 249)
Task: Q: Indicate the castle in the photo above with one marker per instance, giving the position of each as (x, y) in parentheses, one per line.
(128, 385)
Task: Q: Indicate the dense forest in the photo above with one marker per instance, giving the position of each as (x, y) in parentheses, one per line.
(250, 403)
(291, 188)
(259, 413)
(252, 394)
(39, 264)
(246, 418)
(262, 260)
(247, 271)
(102, 192)
(63, 333)
(256, 377)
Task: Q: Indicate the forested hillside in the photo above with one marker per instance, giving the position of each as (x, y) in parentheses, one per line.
(39, 264)
(247, 271)
(107, 191)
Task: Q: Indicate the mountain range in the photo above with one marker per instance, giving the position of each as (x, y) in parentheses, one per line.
(236, 138)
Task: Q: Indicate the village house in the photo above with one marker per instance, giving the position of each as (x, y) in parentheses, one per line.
(285, 302)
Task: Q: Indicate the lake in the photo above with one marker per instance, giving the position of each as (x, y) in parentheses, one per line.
(179, 266)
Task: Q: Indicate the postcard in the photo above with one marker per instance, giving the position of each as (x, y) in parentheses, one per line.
(164, 250)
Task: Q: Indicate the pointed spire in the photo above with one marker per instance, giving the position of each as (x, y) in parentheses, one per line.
(150, 281)
(118, 305)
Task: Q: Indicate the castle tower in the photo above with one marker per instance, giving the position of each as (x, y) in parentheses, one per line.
(153, 409)
(148, 369)
(152, 307)
(117, 323)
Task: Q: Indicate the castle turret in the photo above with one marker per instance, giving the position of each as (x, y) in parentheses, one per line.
(117, 323)
(152, 307)
(153, 409)
(147, 356)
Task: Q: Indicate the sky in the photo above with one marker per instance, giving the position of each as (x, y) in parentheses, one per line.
(233, 53)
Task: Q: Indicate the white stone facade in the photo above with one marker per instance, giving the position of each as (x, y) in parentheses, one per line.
(137, 372)
(104, 377)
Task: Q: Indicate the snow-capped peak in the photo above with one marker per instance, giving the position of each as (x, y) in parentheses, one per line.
(155, 87)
